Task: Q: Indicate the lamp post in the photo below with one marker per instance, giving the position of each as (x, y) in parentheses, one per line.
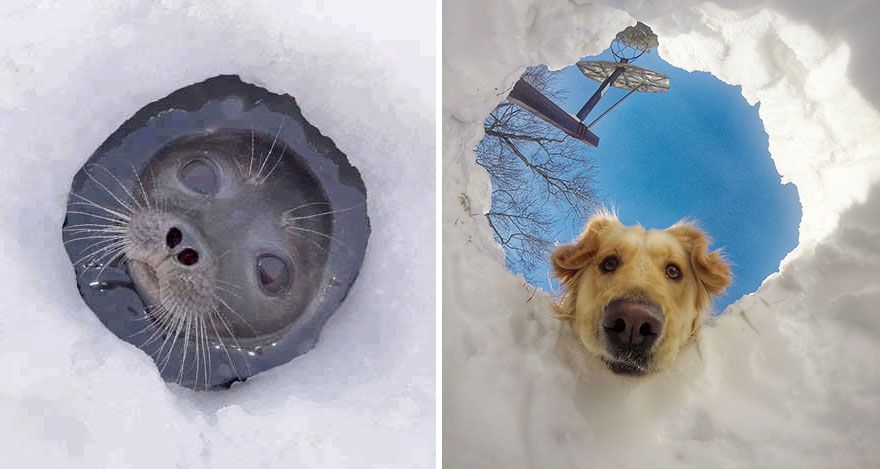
(627, 46)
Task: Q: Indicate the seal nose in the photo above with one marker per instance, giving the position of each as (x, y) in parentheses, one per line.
(187, 253)
(632, 326)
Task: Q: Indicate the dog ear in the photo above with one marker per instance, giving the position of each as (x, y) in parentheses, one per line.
(568, 259)
(711, 269)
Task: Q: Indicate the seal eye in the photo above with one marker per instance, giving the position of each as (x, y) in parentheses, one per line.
(609, 264)
(188, 256)
(673, 272)
(273, 274)
(199, 175)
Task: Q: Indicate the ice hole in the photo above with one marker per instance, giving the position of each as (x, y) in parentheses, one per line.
(698, 151)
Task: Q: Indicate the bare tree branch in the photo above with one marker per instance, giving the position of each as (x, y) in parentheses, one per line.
(539, 175)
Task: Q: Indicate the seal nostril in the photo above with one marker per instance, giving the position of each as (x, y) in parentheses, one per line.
(173, 238)
(188, 256)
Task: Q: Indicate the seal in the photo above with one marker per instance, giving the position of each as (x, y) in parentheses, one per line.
(225, 244)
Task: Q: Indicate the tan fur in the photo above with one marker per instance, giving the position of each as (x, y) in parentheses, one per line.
(641, 275)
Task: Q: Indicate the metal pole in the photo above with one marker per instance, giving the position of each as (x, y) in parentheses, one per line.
(614, 105)
(594, 100)
(533, 101)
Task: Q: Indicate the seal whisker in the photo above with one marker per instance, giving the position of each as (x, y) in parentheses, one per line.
(197, 347)
(240, 245)
(186, 339)
(141, 185)
(319, 234)
(250, 164)
(110, 261)
(183, 335)
(95, 229)
(100, 244)
(201, 356)
(98, 248)
(172, 334)
(98, 251)
(92, 226)
(232, 336)
(196, 204)
(88, 203)
(115, 220)
(118, 182)
(233, 311)
(122, 217)
(269, 154)
(164, 318)
(229, 284)
(101, 237)
(220, 340)
(97, 236)
(100, 229)
(277, 161)
(306, 205)
(304, 238)
(156, 200)
(94, 260)
(206, 351)
(157, 317)
(161, 320)
(154, 317)
(84, 235)
(224, 290)
(102, 186)
(102, 232)
(289, 219)
(122, 211)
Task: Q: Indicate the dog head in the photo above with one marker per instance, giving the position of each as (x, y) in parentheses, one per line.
(635, 297)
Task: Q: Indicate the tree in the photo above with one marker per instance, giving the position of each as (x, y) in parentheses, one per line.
(540, 176)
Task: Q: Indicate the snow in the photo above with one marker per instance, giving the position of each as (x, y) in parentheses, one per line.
(787, 376)
(73, 394)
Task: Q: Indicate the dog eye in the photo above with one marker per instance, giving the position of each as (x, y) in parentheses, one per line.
(609, 264)
(673, 272)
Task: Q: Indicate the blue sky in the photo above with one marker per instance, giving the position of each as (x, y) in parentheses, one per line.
(698, 151)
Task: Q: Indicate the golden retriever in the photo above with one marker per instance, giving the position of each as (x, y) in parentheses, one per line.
(635, 297)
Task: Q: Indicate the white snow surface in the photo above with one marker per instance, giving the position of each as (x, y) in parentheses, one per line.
(788, 376)
(74, 395)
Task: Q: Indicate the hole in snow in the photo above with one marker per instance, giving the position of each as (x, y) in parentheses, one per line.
(697, 151)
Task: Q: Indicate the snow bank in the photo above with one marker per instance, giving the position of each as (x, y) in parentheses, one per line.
(788, 377)
(76, 396)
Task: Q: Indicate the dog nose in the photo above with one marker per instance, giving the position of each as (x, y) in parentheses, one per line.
(632, 326)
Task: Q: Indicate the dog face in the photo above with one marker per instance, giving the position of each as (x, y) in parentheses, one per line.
(634, 297)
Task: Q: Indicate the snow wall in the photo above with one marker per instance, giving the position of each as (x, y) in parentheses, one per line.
(788, 376)
(74, 395)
